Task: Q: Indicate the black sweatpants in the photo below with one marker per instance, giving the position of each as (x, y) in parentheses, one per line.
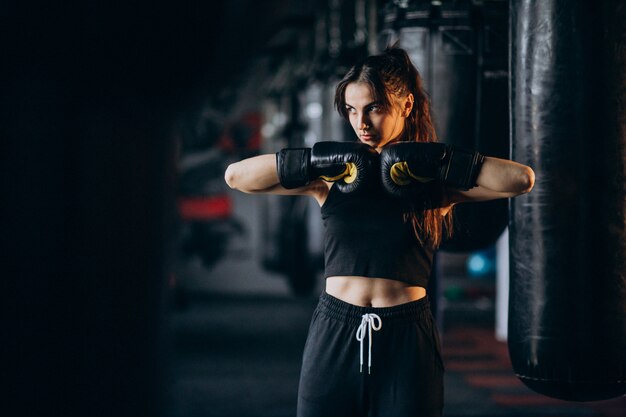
(406, 375)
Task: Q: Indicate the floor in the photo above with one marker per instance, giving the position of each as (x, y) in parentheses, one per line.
(240, 355)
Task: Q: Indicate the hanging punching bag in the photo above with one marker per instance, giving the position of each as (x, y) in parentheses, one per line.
(567, 311)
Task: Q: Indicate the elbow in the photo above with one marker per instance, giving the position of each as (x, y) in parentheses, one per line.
(230, 176)
(527, 180)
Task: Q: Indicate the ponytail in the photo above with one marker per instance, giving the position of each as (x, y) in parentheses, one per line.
(392, 74)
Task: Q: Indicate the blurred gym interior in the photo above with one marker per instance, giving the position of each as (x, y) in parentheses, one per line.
(138, 284)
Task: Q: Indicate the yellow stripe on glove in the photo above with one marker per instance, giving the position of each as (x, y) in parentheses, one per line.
(402, 175)
(348, 175)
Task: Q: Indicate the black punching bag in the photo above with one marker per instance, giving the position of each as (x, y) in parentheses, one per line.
(567, 317)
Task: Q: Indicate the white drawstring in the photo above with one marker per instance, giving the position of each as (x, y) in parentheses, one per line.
(368, 323)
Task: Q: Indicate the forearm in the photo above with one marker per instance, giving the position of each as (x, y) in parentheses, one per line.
(504, 176)
(253, 175)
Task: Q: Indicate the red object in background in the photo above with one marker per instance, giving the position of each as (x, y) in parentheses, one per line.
(205, 208)
(253, 121)
(243, 134)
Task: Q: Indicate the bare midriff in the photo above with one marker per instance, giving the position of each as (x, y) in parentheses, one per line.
(372, 292)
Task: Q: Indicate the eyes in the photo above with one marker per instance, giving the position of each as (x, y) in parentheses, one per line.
(373, 108)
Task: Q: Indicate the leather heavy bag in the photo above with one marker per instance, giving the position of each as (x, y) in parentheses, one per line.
(567, 312)
(461, 52)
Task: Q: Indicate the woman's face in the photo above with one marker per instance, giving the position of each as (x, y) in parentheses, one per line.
(373, 124)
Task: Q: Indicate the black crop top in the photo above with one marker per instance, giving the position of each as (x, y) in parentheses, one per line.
(365, 235)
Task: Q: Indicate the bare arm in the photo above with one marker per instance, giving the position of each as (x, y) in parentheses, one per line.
(253, 175)
(258, 175)
(498, 178)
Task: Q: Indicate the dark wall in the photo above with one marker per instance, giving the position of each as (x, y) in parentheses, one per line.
(89, 94)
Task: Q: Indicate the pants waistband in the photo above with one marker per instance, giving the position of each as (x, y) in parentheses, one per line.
(352, 314)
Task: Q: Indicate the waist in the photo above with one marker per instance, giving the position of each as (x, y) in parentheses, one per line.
(373, 292)
(337, 309)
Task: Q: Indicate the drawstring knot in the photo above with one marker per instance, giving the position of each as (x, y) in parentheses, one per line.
(369, 322)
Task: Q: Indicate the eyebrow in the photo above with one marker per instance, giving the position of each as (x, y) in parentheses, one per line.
(373, 103)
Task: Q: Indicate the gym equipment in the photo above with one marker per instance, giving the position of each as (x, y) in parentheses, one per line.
(567, 311)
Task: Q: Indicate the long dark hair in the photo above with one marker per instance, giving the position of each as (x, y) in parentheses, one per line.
(392, 75)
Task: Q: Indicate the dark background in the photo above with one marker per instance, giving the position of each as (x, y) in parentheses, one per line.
(89, 94)
(92, 94)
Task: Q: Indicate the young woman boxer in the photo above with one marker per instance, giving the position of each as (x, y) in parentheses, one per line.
(386, 203)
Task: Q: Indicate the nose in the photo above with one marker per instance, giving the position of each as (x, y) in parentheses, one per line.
(362, 122)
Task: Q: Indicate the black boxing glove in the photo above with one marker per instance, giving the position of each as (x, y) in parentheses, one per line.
(352, 165)
(407, 166)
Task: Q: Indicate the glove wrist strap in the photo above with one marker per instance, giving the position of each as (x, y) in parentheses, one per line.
(293, 167)
(462, 168)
